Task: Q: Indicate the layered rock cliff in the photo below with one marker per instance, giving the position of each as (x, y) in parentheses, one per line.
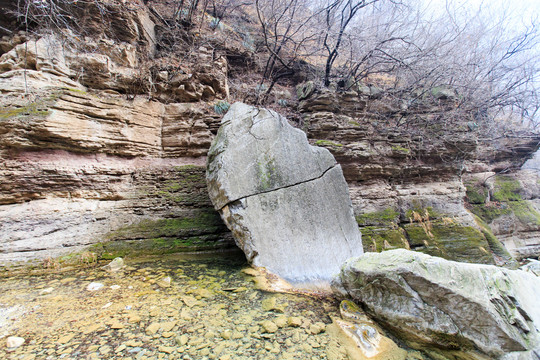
(92, 153)
(103, 143)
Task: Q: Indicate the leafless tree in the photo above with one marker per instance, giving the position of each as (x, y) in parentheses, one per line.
(288, 32)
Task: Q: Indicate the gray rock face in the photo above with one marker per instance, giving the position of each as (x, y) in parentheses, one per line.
(285, 201)
(446, 303)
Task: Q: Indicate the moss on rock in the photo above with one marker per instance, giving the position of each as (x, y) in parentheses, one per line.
(525, 212)
(507, 201)
(201, 230)
(328, 143)
(376, 239)
(387, 217)
(506, 189)
(422, 211)
(476, 193)
(450, 241)
(185, 186)
(203, 221)
(495, 245)
(158, 246)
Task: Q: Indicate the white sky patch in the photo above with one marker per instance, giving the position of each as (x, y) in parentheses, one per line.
(517, 14)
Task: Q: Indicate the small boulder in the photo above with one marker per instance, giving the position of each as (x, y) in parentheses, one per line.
(94, 286)
(269, 326)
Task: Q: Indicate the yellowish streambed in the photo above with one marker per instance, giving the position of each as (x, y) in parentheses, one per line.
(174, 307)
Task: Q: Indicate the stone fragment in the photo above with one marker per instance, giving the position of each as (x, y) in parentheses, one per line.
(164, 282)
(270, 304)
(115, 265)
(166, 349)
(281, 321)
(190, 301)
(46, 291)
(94, 286)
(269, 326)
(14, 342)
(433, 300)
(285, 201)
(182, 340)
(167, 326)
(66, 338)
(294, 321)
(317, 328)
(153, 328)
(116, 325)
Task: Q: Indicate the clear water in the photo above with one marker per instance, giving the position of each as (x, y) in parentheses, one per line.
(210, 310)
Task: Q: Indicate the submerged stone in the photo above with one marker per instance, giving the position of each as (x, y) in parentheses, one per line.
(13, 342)
(286, 202)
(445, 303)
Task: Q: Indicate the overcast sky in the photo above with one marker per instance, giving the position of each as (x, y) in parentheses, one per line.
(519, 12)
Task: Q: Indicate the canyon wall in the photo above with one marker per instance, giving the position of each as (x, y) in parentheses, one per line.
(97, 154)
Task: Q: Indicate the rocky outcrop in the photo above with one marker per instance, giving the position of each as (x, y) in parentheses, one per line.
(94, 111)
(509, 206)
(405, 163)
(285, 201)
(451, 305)
(88, 161)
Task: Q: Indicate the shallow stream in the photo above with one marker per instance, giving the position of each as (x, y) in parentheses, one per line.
(210, 309)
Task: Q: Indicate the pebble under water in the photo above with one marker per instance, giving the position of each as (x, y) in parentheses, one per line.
(202, 306)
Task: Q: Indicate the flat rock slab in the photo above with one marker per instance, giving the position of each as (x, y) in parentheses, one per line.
(446, 303)
(286, 202)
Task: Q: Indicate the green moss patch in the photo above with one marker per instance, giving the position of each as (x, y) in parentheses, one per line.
(129, 248)
(476, 193)
(401, 150)
(269, 177)
(450, 241)
(186, 186)
(199, 222)
(37, 108)
(376, 239)
(495, 245)
(491, 211)
(201, 230)
(422, 211)
(506, 189)
(385, 217)
(32, 109)
(525, 212)
(328, 143)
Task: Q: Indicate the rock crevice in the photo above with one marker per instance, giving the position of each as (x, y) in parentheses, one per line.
(284, 186)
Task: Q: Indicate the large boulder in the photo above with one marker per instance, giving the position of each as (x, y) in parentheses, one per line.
(286, 202)
(445, 303)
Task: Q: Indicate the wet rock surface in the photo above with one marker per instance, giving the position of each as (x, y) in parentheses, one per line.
(449, 304)
(286, 202)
